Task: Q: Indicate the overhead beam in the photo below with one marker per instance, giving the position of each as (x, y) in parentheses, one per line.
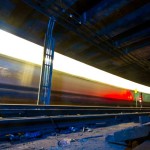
(131, 38)
(128, 19)
(131, 31)
(106, 8)
(85, 32)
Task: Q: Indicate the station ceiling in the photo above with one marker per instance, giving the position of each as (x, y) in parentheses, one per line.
(112, 35)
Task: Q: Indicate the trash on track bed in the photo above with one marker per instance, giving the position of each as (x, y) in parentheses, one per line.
(86, 139)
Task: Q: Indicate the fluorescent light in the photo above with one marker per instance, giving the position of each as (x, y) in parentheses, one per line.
(19, 48)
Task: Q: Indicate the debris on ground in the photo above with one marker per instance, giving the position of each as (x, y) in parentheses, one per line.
(13, 137)
(80, 140)
(31, 134)
(87, 129)
(73, 129)
(65, 142)
(21, 136)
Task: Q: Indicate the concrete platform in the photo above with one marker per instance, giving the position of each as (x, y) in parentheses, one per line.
(130, 133)
(144, 146)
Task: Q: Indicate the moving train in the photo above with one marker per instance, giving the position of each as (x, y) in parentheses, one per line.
(19, 82)
(73, 83)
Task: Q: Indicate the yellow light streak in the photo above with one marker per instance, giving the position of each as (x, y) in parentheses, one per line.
(19, 48)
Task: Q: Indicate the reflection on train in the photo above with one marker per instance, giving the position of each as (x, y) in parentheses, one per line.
(19, 85)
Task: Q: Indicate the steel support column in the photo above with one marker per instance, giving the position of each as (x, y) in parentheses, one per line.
(47, 66)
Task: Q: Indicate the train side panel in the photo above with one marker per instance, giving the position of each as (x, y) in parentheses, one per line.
(18, 73)
(19, 84)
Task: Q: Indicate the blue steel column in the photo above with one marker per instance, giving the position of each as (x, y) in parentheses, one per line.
(47, 66)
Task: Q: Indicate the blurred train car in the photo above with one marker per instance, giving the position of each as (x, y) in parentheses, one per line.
(19, 81)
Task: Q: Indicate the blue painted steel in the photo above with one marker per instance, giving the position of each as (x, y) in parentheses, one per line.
(106, 8)
(84, 18)
(133, 37)
(47, 66)
(69, 3)
(141, 14)
(99, 8)
(70, 26)
(128, 50)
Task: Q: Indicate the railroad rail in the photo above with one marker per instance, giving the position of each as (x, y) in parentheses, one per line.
(40, 110)
(29, 118)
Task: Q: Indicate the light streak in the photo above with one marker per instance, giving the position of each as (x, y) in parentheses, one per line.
(22, 49)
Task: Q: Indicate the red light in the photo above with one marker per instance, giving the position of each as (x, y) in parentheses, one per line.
(140, 99)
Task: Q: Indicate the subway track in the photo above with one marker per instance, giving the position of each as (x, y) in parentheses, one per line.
(40, 110)
(26, 118)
